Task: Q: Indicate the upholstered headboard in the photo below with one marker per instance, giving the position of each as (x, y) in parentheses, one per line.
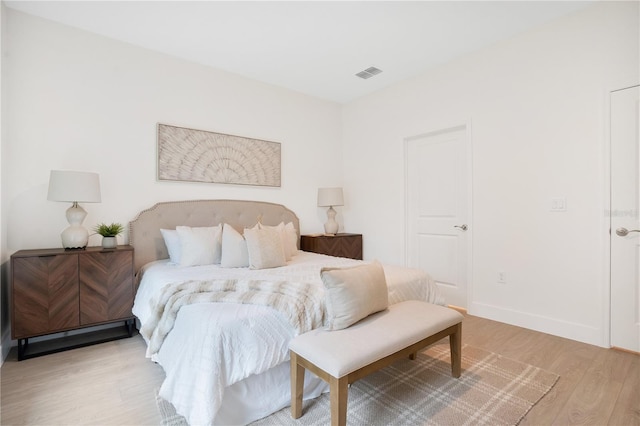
(144, 230)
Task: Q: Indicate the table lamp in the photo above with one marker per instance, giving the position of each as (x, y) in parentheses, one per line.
(74, 187)
(329, 197)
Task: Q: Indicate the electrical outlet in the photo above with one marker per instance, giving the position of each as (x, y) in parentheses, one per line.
(502, 277)
(559, 204)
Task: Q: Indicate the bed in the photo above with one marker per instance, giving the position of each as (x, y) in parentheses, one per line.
(225, 350)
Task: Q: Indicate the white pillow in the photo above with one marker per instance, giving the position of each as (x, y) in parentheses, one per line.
(172, 241)
(289, 237)
(200, 246)
(265, 248)
(352, 294)
(234, 248)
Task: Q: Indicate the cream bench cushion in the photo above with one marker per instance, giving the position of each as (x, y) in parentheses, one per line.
(340, 352)
(343, 356)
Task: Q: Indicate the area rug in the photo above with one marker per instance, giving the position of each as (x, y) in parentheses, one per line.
(492, 390)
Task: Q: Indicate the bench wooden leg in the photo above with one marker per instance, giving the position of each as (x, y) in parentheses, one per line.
(413, 356)
(297, 386)
(455, 342)
(339, 396)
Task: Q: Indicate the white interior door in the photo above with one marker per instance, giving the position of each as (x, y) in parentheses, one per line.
(437, 212)
(625, 223)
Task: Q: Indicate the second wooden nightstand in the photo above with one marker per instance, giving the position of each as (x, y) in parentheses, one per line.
(340, 245)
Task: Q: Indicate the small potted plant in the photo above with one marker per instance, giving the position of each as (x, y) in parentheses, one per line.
(109, 233)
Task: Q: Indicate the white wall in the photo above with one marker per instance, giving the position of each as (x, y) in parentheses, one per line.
(537, 108)
(84, 102)
(4, 313)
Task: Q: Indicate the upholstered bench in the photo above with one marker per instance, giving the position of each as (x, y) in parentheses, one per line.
(341, 357)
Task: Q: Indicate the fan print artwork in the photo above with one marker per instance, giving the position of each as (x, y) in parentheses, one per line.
(200, 156)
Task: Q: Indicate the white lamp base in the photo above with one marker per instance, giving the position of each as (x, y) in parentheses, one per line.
(331, 227)
(75, 236)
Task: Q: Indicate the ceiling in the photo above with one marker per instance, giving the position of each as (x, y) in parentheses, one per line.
(315, 48)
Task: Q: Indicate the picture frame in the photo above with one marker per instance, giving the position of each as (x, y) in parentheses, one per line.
(191, 155)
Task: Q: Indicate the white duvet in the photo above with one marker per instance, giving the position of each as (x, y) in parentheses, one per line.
(213, 346)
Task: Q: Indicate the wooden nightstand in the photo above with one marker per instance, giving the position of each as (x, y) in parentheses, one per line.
(340, 245)
(55, 290)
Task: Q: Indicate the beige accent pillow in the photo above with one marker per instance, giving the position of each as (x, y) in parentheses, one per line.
(200, 245)
(291, 240)
(289, 237)
(352, 294)
(265, 248)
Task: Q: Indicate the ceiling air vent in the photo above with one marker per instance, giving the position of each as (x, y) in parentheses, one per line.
(369, 72)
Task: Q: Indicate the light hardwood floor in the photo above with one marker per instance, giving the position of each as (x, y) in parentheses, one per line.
(114, 384)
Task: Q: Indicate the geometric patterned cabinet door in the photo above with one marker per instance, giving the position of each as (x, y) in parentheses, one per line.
(55, 290)
(45, 294)
(106, 286)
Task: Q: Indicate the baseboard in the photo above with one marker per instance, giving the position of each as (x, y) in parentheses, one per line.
(553, 326)
(5, 345)
(629, 351)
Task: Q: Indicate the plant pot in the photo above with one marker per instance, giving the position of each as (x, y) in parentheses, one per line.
(109, 242)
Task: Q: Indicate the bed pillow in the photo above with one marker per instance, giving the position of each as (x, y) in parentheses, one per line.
(265, 248)
(352, 294)
(200, 246)
(172, 241)
(289, 237)
(234, 249)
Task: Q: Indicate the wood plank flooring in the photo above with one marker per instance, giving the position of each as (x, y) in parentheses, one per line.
(114, 384)
(106, 384)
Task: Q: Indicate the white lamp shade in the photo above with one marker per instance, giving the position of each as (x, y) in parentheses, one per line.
(74, 187)
(330, 197)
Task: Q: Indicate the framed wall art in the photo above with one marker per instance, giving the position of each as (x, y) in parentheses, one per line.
(191, 155)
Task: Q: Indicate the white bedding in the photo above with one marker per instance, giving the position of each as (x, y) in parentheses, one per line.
(215, 347)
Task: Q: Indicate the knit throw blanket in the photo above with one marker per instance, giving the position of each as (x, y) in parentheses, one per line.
(301, 303)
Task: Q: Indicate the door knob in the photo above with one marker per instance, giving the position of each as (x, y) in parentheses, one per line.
(463, 227)
(624, 231)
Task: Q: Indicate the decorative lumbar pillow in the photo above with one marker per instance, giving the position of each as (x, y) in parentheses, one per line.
(234, 248)
(288, 235)
(172, 241)
(352, 294)
(200, 246)
(265, 248)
